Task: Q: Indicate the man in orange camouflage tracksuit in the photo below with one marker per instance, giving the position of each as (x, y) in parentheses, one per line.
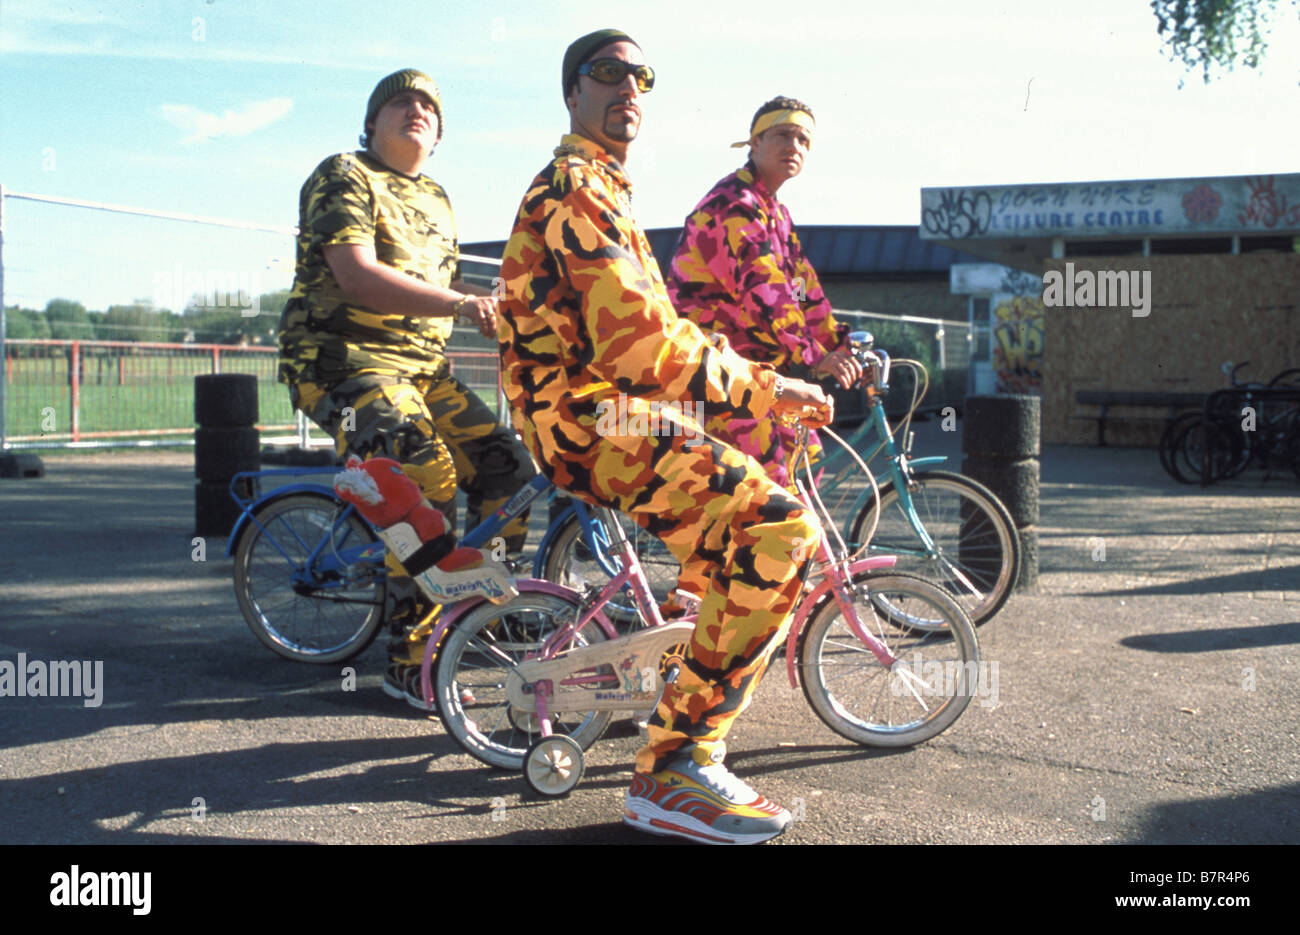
(587, 322)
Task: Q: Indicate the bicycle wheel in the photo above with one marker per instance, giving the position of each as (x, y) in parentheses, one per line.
(977, 550)
(475, 662)
(1228, 452)
(300, 613)
(1276, 418)
(927, 689)
(1286, 379)
(569, 561)
(1169, 437)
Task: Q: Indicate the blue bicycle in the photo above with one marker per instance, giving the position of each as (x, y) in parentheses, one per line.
(310, 574)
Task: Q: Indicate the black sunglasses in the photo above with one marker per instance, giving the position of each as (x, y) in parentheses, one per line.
(614, 71)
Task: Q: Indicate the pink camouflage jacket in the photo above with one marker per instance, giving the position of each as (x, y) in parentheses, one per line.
(739, 270)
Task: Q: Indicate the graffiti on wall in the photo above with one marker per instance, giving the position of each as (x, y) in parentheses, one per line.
(957, 213)
(1268, 207)
(1223, 205)
(1018, 344)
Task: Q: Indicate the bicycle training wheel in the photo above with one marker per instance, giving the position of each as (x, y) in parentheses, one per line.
(977, 550)
(936, 673)
(300, 613)
(476, 659)
(569, 561)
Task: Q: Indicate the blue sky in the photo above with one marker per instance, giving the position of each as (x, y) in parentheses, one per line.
(219, 108)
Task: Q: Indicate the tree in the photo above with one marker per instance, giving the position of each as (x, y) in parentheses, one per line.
(235, 324)
(25, 323)
(69, 320)
(136, 322)
(272, 304)
(1208, 33)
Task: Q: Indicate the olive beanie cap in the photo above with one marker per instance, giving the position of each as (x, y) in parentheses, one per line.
(408, 79)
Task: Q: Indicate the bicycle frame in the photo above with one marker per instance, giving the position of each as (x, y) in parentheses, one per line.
(900, 466)
(628, 573)
(340, 559)
(839, 576)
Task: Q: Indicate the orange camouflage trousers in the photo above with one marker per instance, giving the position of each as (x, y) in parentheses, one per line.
(717, 511)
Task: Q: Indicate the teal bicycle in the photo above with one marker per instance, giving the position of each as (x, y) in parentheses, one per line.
(940, 524)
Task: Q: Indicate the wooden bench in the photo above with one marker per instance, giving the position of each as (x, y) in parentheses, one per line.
(1108, 399)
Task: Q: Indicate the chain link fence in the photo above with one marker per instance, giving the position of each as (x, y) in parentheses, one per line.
(943, 347)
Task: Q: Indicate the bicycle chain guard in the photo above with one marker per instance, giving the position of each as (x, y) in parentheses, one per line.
(634, 684)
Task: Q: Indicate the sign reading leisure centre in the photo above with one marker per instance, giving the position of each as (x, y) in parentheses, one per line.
(1246, 204)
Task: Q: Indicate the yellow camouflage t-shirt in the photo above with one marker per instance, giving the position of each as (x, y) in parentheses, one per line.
(353, 198)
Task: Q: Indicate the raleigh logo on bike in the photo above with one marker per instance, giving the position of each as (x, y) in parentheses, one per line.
(1106, 288)
(937, 678)
(208, 289)
(58, 679)
(640, 417)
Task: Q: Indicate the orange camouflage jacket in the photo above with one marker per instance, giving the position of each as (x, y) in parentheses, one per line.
(586, 316)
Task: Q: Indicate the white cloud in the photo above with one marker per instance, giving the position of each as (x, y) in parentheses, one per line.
(202, 126)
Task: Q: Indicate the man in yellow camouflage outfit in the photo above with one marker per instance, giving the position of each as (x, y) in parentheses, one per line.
(363, 335)
(587, 324)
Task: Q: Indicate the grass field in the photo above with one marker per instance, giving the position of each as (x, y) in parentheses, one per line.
(142, 391)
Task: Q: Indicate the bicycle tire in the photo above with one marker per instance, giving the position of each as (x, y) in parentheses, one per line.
(568, 561)
(964, 519)
(1229, 456)
(1275, 435)
(1287, 378)
(325, 625)
(1168, 436)
(861, 700)
(472, 668)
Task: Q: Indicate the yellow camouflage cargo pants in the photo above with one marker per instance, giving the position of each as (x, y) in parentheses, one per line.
(718, 511)
(441, 428)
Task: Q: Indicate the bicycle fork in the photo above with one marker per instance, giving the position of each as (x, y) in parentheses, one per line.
(839, 580)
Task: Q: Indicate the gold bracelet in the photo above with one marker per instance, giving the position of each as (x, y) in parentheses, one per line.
(455, 310)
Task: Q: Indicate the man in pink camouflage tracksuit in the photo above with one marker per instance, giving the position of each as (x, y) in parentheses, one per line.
(739, 270)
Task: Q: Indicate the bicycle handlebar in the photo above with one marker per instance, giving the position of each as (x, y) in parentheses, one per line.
(860, 344)
(1231, 370)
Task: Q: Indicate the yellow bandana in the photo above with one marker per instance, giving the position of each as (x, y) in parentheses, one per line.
(800, 118)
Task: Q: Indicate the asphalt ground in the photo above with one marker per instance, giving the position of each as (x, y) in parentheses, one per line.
(1147, 693)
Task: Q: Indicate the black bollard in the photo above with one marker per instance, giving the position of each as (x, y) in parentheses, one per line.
(225, 443)
(21, 464)
(1000, 438)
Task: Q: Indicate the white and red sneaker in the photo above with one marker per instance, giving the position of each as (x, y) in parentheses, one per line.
(702, 803)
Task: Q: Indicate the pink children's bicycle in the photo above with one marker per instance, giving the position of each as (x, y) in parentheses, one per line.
(884, 658)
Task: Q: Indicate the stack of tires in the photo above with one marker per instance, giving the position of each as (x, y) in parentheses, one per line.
(1001, 442)
(226, 442)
